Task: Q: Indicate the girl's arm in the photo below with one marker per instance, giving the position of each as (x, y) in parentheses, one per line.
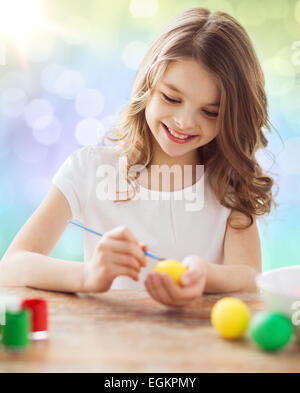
(26, 261)
(242, 260)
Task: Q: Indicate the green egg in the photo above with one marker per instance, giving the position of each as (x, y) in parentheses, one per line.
(270, 331)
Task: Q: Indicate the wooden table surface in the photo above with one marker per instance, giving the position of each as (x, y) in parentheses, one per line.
(126, 331)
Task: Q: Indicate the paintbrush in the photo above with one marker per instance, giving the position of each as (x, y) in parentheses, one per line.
(78, 224)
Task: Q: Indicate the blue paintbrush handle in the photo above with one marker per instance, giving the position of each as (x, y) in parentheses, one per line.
(84, 227)
(100, 234)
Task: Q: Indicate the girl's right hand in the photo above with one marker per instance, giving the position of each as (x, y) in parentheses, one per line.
(117, 254)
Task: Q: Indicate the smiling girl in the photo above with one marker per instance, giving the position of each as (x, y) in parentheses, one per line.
(198, 101)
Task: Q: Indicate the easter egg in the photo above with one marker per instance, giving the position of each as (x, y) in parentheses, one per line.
(230, 317)
(174, 268)
(270, 331)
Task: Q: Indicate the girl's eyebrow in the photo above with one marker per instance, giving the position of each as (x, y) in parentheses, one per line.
(174, 88)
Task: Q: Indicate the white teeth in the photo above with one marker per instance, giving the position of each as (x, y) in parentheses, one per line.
(177, 135)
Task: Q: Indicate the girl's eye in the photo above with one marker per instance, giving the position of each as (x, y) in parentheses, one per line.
(170, 99)
(211, 114)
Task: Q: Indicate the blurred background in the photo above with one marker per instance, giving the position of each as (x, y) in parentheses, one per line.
(66, 71)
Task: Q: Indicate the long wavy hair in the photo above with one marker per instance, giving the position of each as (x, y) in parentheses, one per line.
(221, 44)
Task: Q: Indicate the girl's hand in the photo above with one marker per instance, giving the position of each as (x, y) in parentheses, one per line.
(117, 254)
(164, 290)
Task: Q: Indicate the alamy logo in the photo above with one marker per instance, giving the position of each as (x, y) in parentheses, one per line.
(113, 180)
(296, 54)
(2, 313)
(296, 314)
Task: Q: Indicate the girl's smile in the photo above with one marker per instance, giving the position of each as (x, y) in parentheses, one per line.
(177, 137)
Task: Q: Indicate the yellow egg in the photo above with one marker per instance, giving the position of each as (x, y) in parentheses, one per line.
(174, 268)
(230, 317)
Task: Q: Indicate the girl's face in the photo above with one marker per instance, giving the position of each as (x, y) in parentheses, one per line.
(184, 103)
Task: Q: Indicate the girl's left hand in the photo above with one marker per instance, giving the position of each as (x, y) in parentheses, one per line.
(164, 290)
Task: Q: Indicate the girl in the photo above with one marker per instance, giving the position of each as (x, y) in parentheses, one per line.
(198, 101)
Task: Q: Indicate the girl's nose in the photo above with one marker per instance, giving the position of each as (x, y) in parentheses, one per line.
(185, 120)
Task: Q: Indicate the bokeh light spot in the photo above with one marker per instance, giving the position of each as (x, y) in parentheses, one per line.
(219, 5)
(288, 160)
(49, 76)
(13, 79)
(39, 48)
(280, 76)
(278, 9)
(89, 132)
(108, 123)
(143, 8)
(290, 108)
(297, 12)
(89, 103)
(68, 84)
(251, 13)
(38, 113)
(12, 102)
(27, 149)
(50, 133)
(133, 54)
(76, 30)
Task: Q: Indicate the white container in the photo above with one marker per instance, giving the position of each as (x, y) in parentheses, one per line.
(280, 291)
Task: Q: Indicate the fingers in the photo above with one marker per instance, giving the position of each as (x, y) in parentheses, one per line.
(178, 294)
(124, 270)
(184, 294)
(118, 253)
(156, 290)
(192, 262)
(121, 232)
(124, 247)
(122, 265)
(190, 277)
(158, 285)
(143, 246)
(163, 289)
(130, 245)
(129, 248)
(196, 270)
(126, 260)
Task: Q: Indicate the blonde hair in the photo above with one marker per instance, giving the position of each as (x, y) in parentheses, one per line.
(222, 45)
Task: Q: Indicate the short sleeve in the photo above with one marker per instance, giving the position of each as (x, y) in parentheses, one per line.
(72, 180)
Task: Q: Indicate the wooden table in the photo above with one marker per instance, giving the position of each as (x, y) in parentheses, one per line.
(126, 331)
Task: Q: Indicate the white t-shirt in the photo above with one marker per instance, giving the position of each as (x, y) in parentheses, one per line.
(172, 224)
